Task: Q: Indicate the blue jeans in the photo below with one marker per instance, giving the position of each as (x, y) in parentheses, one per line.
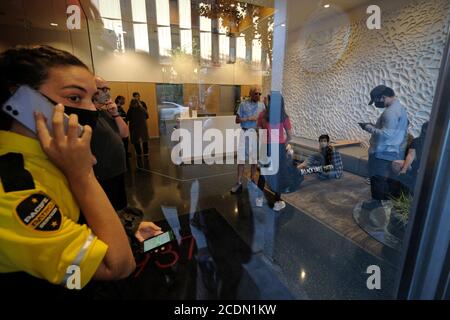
(328, 175)
(317, 160)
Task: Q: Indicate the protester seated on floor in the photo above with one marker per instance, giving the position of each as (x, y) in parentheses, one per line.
(328, 156)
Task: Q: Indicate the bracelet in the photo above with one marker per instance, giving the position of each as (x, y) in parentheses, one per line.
(118, 115)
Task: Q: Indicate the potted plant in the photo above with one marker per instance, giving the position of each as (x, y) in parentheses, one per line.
(398, 220)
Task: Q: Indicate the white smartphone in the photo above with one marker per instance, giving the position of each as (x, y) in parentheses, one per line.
(25, 101)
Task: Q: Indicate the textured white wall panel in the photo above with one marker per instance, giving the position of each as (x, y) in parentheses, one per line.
(327, 80)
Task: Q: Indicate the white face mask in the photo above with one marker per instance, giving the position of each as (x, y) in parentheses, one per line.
(103, 97)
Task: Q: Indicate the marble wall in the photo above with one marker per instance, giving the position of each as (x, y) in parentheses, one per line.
(329, 71)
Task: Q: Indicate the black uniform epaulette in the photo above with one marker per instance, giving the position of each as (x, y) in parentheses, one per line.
(14, 176)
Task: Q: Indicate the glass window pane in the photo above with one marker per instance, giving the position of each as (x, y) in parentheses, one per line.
(186, 41)
(205, 24)
(110, 9)
(162, 12)
(205, 45)
(139, 11)
(165, 41)
(224, 47)
(184, 7)
(141, 37)
(256, 51)
(240, 48)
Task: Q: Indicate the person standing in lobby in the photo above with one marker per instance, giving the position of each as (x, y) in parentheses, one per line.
(137, 116)
(279, 134)
(107, 146)
(120, 102)
(387, 144)
(247, 116)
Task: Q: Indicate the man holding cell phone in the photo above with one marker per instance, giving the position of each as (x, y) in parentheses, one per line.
(387, 144)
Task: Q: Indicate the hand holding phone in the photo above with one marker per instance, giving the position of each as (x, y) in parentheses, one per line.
(157, 243)
(112, 108)
(25, 101)
(70, 153)
(147, 230)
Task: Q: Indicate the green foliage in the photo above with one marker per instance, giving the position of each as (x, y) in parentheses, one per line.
(402, 207)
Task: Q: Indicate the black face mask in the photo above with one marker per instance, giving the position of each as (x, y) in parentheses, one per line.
(85, 117)
(380, 104)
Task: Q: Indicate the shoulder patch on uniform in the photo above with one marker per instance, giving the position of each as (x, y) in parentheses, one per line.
(40, 213)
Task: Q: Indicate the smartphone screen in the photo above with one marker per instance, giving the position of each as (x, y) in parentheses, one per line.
(158, 241)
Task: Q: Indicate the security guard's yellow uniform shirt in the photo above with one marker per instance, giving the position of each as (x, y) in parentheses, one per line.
(39, 233)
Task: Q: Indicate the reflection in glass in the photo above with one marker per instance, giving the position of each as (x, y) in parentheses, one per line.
(165, 41)
(224, 47)
(141, 37)
(185, 26)
(256, 51)
(138, 11)
(240, 48)
(185, 13)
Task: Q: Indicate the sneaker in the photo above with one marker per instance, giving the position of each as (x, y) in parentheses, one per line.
(259, 202)
(367, 181)
(236, 189)
(279, 205)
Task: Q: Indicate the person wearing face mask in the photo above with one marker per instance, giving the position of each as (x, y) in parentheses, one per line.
(120, 102)
(387, 144)
(327, 156)
(107, 145)
(46, 179)
(137, 115)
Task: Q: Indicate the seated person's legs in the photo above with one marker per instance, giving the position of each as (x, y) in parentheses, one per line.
(328, 175)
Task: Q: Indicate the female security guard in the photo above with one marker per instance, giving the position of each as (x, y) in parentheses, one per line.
(46, 180)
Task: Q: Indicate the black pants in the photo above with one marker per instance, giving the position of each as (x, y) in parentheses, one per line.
(125, 145)
(261, 185)
(137, 146)
(384, 184)
(115, 190)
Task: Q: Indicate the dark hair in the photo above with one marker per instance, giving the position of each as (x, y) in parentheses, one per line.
(118, 98)
(325, 136)
(135, 94)
(29, 65)
(329, 150)
(283, 115)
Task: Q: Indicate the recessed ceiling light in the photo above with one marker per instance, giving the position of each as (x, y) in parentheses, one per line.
(53, 24)
(283, 25)
(326, 6)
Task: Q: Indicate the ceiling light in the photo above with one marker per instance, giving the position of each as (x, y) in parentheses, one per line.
(53, 24)
(326, 6)
(283, 25)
